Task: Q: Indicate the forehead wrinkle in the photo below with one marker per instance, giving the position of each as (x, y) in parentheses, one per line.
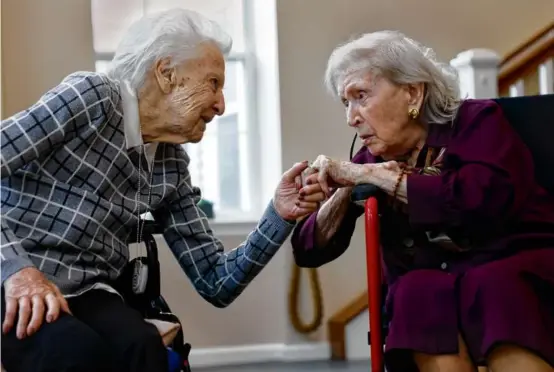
(354, 77)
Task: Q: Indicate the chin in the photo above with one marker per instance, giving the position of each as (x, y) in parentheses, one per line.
(196, 138)
(375, 150)
(172, 140)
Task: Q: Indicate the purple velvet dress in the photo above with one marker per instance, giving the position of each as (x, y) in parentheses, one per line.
(497, 286)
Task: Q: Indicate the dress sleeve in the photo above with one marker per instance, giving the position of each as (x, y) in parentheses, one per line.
(487, 175)
(306, 253)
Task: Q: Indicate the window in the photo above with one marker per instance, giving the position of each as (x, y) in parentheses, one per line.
(223, 164)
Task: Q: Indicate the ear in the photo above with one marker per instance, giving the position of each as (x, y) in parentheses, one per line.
(416, 94)
(166, 76)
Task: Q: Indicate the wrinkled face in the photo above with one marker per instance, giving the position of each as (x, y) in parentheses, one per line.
(378, 110)
(192, 95)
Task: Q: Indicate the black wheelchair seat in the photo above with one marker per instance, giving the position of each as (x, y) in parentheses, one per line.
(533, 119)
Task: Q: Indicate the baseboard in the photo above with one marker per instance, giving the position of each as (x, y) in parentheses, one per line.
(249, 354)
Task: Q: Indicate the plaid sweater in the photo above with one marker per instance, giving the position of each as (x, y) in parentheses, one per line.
(69, 198)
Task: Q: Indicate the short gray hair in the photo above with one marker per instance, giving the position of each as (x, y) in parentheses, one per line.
(174, 33)
(401, 60)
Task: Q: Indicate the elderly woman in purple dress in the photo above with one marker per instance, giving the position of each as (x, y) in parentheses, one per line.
(467, 233)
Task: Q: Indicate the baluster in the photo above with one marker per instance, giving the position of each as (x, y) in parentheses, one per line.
(478, 73)
(546, 77)
(517, 89)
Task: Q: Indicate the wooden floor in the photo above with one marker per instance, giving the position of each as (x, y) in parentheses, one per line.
(295, 367)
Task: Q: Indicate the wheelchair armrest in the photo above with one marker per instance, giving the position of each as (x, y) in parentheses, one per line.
(151, 227)
(363, 192)
(160, 310)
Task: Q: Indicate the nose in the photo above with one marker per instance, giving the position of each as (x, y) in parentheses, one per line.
(353, 117)
(219, 105)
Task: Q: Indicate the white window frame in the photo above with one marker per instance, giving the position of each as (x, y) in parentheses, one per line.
(226, 221)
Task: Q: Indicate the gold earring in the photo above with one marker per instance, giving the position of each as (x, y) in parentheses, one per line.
(413, 113)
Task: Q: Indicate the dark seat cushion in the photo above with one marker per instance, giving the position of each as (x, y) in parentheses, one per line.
(533, 118)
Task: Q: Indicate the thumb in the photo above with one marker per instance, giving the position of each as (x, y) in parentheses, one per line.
(295, 171)
(63, 302)
(65, 306)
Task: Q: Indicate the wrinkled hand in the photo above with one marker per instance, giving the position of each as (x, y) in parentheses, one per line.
(390, 165)
(293, 201)
(310, 189)
(28, 296)
(333, 173)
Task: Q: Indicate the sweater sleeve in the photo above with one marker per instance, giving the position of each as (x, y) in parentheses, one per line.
(218, 276)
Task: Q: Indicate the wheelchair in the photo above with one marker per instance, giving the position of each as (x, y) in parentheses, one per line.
(151, 303)
(533, 119)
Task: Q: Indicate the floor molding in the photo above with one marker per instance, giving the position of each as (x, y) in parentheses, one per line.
(262, 353)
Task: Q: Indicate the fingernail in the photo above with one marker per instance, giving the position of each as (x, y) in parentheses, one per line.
(49, 318)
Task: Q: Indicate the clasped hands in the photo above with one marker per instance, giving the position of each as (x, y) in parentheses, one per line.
(330, 174)
(316, 182)
(304, 186)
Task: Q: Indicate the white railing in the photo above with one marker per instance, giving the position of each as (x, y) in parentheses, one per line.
(478, 71)
(546, 77)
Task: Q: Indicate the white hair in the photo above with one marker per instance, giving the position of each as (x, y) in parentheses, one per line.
(401, 60)
(174, 34)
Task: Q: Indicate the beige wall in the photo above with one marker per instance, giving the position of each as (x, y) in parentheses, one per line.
(42, 41)
(40, 46)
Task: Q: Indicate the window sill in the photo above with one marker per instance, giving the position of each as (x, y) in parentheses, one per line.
(232, 227)
(223, 226)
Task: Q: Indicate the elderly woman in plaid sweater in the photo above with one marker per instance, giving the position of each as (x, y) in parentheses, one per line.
(79, 168)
